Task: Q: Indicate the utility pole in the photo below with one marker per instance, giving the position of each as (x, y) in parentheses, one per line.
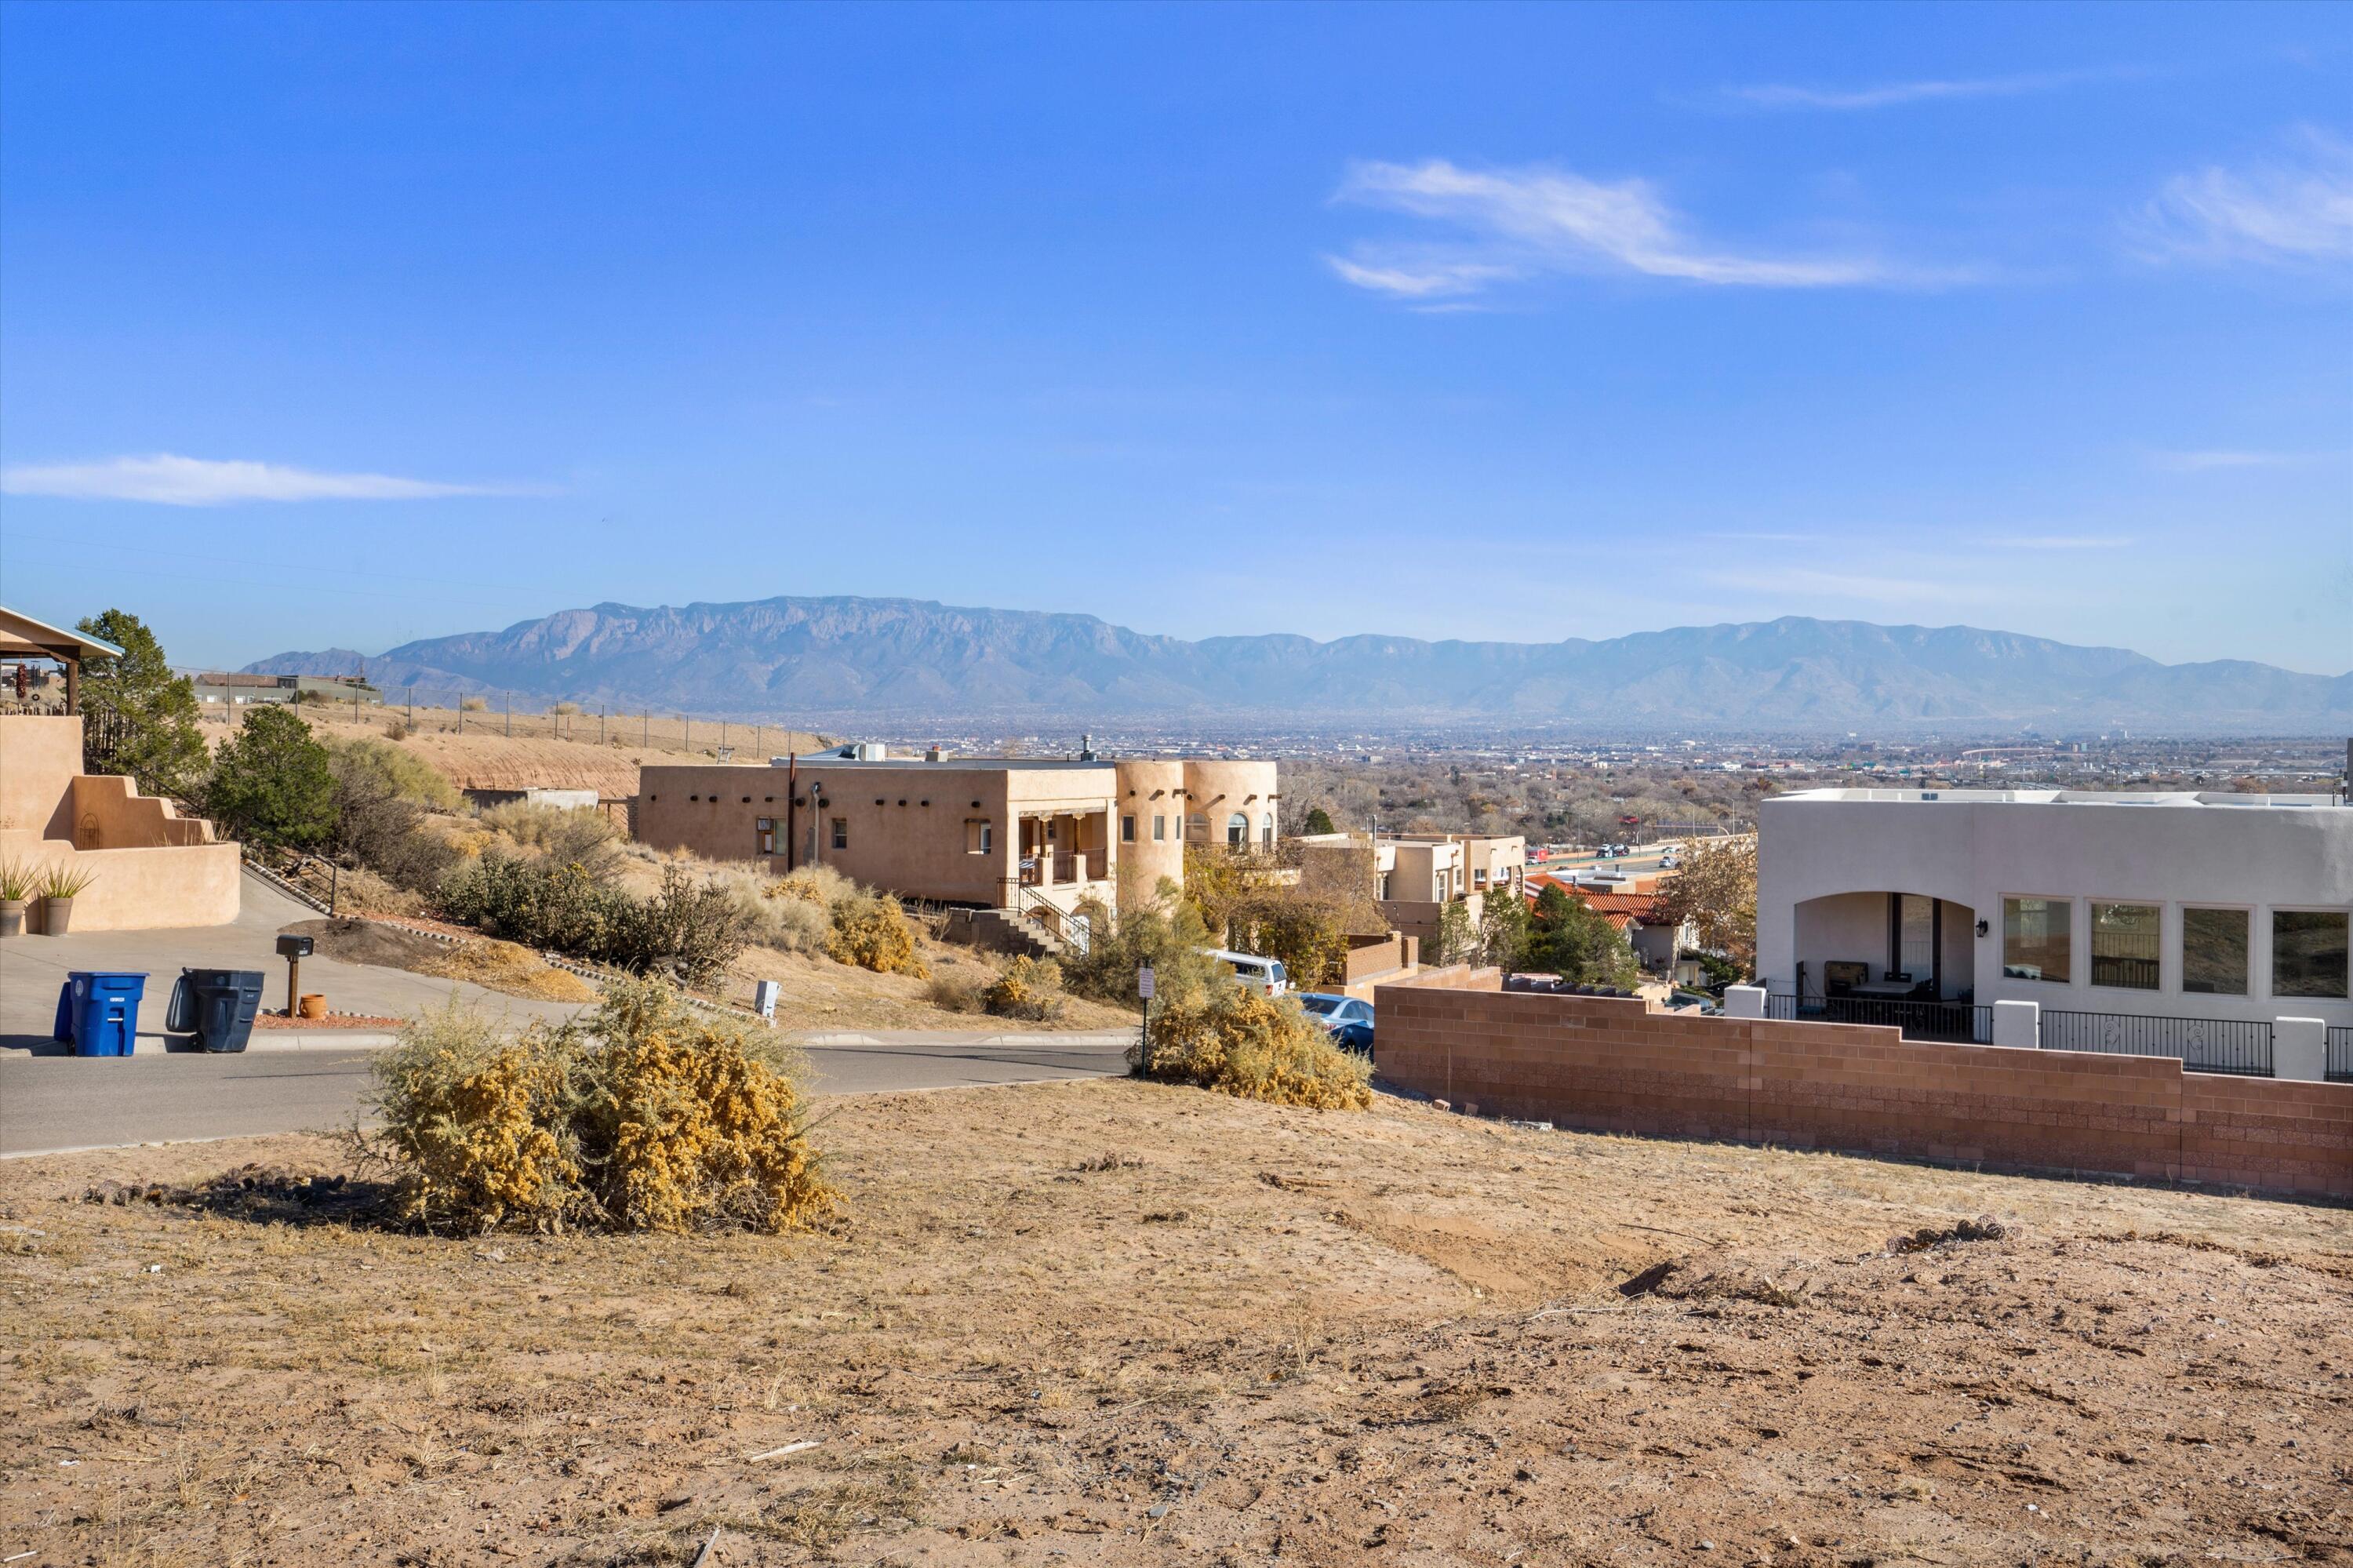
(412, 707)
(646, 734)
(600, 724)
(509, 715)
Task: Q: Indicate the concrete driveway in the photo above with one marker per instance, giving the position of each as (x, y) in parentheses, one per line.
(32, 969)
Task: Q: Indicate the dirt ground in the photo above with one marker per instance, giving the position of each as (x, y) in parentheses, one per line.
(484, 756)
(499, 966)
(1111, 1322)
(818, 994)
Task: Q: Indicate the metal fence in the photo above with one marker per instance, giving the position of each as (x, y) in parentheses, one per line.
(2203, 1044)
(2340, 1053)
(1940, 1023)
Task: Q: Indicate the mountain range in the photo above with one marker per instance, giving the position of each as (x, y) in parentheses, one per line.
(901, 661)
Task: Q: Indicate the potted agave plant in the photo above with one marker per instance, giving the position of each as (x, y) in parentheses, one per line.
(15, 891)
(59, 884)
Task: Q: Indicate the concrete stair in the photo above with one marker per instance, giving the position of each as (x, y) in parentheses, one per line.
(1003, 931)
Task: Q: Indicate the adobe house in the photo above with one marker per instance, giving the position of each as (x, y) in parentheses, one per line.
(1020, 833)
(150, 867)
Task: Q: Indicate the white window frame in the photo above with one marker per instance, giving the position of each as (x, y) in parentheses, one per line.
(2181, 950)
(2160, 904)
(2077, 944)
(2271, 949)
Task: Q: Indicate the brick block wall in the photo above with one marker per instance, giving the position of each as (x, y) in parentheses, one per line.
(1614, 1066)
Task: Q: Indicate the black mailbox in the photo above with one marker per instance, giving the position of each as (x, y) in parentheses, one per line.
(294, 946)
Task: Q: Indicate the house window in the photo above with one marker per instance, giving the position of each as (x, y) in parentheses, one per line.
(1127, 829)
(2214, 951)
(2037, 938)
(979, 838)
(1196, 827)
(1479, 876)
(1384, 891)
(766, 827)
(1238, 832)
(2308, 952)
(841, 832)
(2123, 945)
(1159, 827)
(1266, 830)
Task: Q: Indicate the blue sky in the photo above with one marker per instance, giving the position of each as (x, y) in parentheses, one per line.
(345, 325)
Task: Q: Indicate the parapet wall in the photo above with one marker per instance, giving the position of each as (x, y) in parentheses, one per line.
(1611, 1065)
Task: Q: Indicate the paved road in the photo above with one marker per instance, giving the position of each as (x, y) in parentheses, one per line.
(49, 1103)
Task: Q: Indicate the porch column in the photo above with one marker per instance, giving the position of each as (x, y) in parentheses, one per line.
(1045, 851)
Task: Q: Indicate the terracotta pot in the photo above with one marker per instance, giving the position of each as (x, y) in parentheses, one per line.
(314, 1004)
(12, 917)
(56, 917)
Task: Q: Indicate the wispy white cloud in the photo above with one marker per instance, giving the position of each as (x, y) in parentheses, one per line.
(2202, 461)
(1894, 94)
(170, 480)
(2297, 210)
(1422, 281)
(1517, 223)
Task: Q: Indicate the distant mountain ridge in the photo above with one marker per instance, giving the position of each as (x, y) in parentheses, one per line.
(905, 660)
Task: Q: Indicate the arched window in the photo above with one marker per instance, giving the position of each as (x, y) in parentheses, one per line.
(1238, 832)
(1266, 830)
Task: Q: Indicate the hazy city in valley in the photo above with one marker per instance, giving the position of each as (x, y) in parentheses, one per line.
(1164, 784)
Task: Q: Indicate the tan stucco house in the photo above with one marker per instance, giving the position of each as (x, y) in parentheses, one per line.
(149, 867)
(986, 832)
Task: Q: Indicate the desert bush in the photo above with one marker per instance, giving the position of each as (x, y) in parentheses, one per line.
(565, 709)
(641, 1117)
(1241, 1043)
(403, 773)
(577, 835)
(776, 913)
(818, 885)
(535, 902)
(871, 931)
(397, 730)
(1024, 988)
(955, 989)
(1169, 937)
(688, 931)
(473, 704)
(381, 796)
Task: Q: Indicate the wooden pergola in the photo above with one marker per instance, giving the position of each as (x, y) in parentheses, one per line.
(22, 637)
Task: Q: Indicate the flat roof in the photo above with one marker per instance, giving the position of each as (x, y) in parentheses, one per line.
(2227, 798)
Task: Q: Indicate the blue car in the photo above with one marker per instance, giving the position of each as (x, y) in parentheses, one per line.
(1346, 1020)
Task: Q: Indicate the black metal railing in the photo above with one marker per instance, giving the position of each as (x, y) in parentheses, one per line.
(1939, 1022)
(2340, 1053)
(2203, 1044)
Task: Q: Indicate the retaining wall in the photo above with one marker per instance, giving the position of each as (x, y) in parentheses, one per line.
(1613, 1065)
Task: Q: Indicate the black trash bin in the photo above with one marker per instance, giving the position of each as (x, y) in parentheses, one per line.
(218, 1006)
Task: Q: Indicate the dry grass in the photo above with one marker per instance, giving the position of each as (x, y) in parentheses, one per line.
(506, 966)
(1391, 1337)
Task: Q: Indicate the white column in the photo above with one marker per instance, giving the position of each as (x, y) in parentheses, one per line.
(2018, 1025)
(1743, 1002)
(2300, 1049)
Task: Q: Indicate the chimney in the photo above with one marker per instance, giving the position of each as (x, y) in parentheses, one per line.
(1086, 748)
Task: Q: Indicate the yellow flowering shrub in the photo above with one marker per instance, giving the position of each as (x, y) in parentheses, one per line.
(1024, 988)
(1242, 1044)
(871, 931)
(645, 1116)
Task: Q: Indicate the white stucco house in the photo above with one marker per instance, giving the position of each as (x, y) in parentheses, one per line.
(2155, 906)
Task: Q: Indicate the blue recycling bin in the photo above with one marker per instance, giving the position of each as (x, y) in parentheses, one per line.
(97, 1013)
